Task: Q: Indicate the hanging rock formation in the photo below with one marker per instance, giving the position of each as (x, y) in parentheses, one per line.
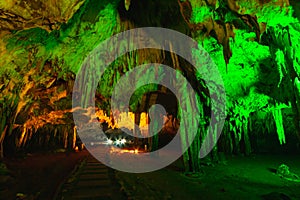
(43, 44)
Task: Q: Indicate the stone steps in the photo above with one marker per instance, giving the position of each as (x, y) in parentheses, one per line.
(92, 180)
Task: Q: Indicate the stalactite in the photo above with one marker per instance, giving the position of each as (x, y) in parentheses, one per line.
(8, 107)
(19, 144)
(277, 114)
(154, 140)
(1, 142)
(246, 137)
(40, 140)
(228, 136)
(297, 97)
(285, 38)
(280, 65)
(194, 151)
(70, 137)
(29, 135)
(137, 118)
(198, 145)
(185, 155)
(65, 140)
(184, 140)
(51, 142)
(174, 57)
(25, 138)
(47, 139)
(206, 136)
(191, 156)
(55, 137)
(235, 136)
(74, 137)
(214, 152)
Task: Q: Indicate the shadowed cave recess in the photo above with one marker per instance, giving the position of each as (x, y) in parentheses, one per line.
(254, 44)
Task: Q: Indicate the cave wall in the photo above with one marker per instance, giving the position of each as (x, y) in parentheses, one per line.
(38, 64)
(43, 46)
(48, 15)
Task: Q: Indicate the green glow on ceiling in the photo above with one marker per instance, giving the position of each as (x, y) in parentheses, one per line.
(201, 14)
(243, 73)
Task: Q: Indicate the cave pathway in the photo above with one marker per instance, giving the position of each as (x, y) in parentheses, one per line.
(91, 180)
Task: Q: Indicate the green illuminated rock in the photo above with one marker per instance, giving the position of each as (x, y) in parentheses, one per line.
(255, 46)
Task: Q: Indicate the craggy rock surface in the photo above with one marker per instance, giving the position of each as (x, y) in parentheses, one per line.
(43, 44)
(49, 14)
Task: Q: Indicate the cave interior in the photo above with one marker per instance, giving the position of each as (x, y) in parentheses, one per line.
(247, 111)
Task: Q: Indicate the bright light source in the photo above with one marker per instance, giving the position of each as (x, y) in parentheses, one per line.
(109, 141)
(118, 142)
(123, 141)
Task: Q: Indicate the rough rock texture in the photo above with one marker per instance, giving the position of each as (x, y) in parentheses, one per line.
(43, 44)
(47, 14)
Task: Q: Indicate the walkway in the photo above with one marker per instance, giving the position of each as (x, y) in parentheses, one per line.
(91, 180)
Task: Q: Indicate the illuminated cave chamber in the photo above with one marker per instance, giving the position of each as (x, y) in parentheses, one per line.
(140, 116)
(257, 56)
